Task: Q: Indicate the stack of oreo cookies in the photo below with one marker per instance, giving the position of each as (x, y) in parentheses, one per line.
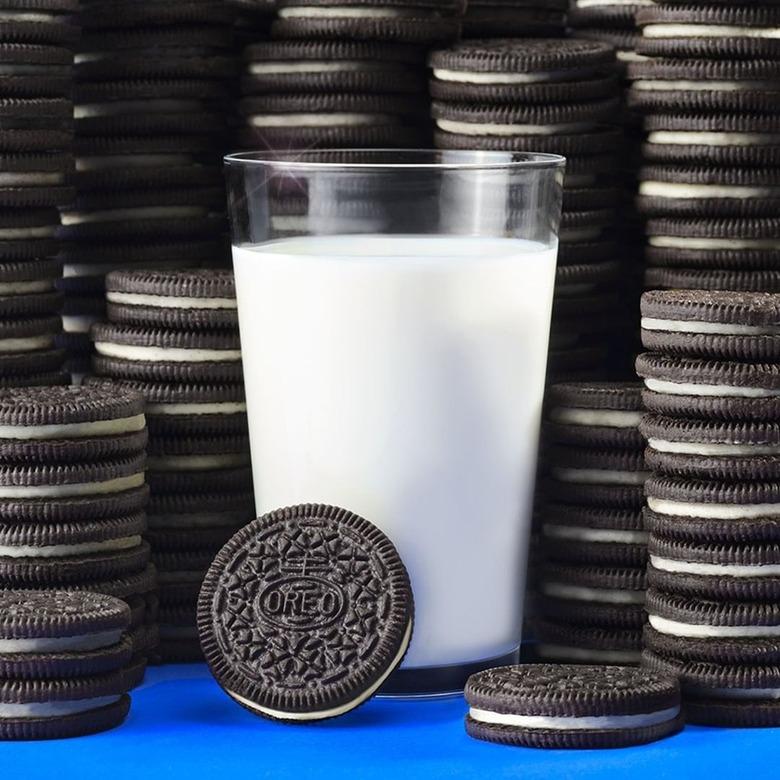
(590, 606)
(152, 99)
(557, 96)
(36, 171)
(611, 21)
(66, 663)
(173, 337)
(73, 497)
(515, 18)
(712, 389)
(710, 185)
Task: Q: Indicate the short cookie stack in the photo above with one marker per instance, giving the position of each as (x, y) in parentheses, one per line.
(591, 603)
(712, 389)
(66, 664)
(173, 337)
(73, 496)
(515, 19)
(557, 96)
(152, 99)
(36, 171)
(710, 185)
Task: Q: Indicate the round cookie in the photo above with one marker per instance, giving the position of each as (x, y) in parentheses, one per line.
(404, 21)
(709, 530)
(38, 21)
(705, 85)
(604, 139)
(372, 646)
(571, 706)
(595, 414)
(558, 642)
(36, 180)
(708, 389)
(713, 32)
(332, 66)
(605, 13)
(27, 235)
(198, 299)
(738, 244)
(45, 634)
(505, 19)
(201, 453)
(697, 279)
(594, 536)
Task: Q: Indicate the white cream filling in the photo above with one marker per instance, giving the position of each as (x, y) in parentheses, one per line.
(119, 107)
(331, 119)
(689, 388)
(695, 630)
(490, 128)
(102, 162)
(720, 328)
(284, 68)
(26, 16)
(23, 288)
(677, 30)
(603, 418)
(34, 178)
(54, 709)
(612, 3)
(720, 511)
(340, 12)
(27, 344)
(77, 489)
(715, 569)
(140, 212)
(606, 535)
(60, 644)
(706, 138)
(563, 590)
(665, 189)
(170, 301)
(705, 85)
(166, 354)
(74, 430)
(79, 323)
(584, 654)
(482, 77)
(573, 722)
(600, 476)
(334, 711)
(13, 234)
(226, 407)
(62, 550)
(196, 462)
(626, 55)
(712, 448)
(683, 242)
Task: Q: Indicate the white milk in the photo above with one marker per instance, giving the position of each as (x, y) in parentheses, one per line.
(401, 378)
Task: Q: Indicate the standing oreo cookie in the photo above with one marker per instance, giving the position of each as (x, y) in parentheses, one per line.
(299, 577)
(562, 706)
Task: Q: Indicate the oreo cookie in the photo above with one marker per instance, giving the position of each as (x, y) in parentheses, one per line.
(422, 22)
(25, 235)
(595, 414)
(560, 643)
(199, 299)
(272, 570)
(696, 279)
(194, 454)
(708, 389)
(59, 634)
(602, 139)
(570, 706)
(510, 19)
(31, 71)
(38, 21)
(605, 13)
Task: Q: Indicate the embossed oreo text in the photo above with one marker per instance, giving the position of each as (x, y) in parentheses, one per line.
(301, 603)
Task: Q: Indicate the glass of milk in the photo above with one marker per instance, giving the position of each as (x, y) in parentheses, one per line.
(394, 309)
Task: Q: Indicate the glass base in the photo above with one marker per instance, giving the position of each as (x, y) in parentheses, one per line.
(436, 681)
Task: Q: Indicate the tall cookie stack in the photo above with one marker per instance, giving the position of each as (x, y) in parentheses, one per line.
(173, 337)
(557, 96)
(515, 19)
(711, 182)
(712, 389)
(66, 664)
(342, 75)
(36, 171)
(152, 100)
(590, 606)
(73, 496)
(610, 21)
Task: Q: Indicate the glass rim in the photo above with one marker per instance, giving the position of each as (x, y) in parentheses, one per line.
(473, 160)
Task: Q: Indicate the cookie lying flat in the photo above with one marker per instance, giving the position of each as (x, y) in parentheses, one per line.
(562, 706)
(295, 572)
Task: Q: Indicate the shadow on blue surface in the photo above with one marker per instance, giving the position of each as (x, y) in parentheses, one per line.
(182, 725)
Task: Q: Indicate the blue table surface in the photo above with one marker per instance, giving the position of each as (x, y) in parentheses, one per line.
(182, 725)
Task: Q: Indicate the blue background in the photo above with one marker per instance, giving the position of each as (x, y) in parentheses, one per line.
(181, 725)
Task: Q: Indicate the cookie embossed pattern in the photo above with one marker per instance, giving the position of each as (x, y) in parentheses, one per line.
(305, 613)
